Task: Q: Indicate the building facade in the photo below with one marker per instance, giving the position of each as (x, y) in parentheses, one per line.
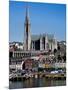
(43, 42)
(37, 42)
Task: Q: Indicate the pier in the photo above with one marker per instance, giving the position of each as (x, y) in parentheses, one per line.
(37, 75)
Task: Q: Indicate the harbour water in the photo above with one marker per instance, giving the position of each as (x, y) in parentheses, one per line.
(36, 82)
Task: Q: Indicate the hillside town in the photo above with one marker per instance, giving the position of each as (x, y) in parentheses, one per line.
(37, 56)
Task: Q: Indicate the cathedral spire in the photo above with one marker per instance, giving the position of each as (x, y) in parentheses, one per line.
(27, 15)
(27, 34)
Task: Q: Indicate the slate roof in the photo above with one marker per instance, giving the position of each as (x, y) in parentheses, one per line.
(37, 37)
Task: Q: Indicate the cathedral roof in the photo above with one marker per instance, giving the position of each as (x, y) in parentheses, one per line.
(37, 37)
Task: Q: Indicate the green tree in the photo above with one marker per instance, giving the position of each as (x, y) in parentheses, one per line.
(55, 50)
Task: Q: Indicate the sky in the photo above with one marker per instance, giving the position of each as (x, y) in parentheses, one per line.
(44, 18)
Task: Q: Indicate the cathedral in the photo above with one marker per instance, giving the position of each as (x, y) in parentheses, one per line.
(37, 42)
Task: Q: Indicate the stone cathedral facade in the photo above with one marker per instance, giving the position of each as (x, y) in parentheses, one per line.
(37, 42)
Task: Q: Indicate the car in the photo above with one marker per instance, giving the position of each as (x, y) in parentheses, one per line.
(54, 72)
(60, 71)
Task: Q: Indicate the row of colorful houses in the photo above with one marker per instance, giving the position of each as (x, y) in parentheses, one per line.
(34, 65)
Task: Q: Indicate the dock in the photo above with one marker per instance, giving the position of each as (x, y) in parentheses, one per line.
(37, 75)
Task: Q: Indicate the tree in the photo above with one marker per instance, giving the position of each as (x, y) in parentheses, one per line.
(55, 50)
(14, 47)
(10, 54)
(59, 58)
(64, 57)
(58, 47)
(49, 51)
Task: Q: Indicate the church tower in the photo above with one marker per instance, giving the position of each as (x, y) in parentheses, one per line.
(27, 33)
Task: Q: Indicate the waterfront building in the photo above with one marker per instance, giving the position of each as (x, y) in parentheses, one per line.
(28, 64)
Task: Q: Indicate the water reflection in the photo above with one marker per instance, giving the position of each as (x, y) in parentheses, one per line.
(41, 82)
